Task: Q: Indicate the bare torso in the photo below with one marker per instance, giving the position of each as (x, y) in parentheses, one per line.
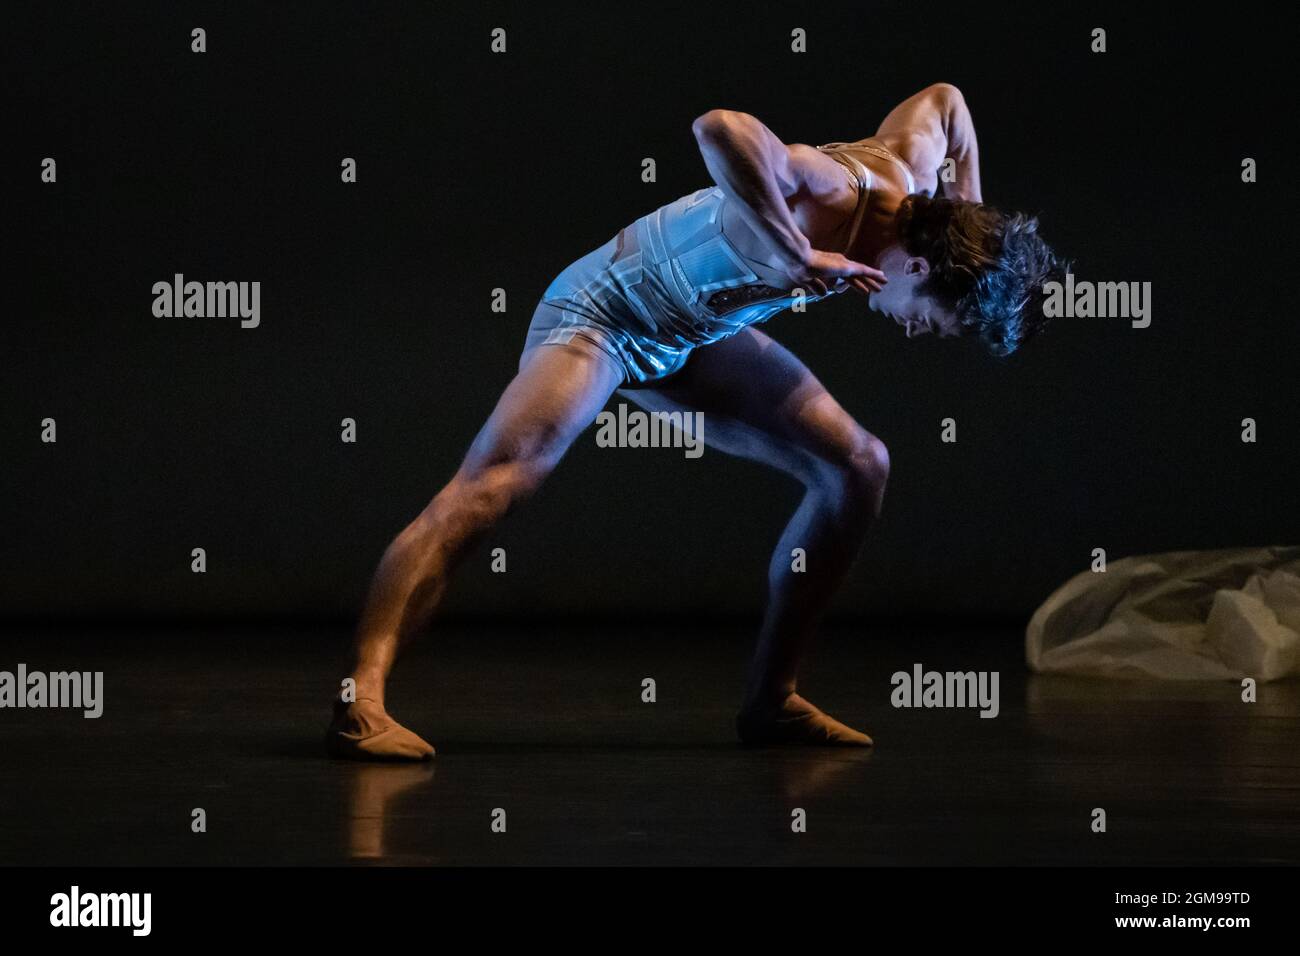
(826, 221)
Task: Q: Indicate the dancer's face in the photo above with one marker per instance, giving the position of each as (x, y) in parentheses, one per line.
(902, 300)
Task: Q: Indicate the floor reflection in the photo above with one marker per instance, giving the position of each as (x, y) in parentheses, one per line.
(803, 775)
(373, 793)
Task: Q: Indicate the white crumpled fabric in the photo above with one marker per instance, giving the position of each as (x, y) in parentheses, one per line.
(1184, 615)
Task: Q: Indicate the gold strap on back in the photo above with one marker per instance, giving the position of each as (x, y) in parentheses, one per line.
(881, 153)
(860, 175)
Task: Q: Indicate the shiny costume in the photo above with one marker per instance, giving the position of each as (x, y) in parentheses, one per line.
(674, 280)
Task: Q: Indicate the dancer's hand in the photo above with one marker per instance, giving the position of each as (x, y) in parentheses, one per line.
(823, 272)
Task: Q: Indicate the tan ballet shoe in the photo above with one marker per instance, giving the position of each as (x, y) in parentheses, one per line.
(364, 731)
(795, 721)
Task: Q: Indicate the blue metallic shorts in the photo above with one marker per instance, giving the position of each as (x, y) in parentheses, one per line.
(587, 306)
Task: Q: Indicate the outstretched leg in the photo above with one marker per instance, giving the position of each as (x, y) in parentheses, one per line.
(761, 402)
(557, 393)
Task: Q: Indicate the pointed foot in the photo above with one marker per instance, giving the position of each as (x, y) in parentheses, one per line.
(796, 721)
(364, 731)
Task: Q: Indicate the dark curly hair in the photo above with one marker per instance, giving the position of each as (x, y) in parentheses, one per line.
(986, 265)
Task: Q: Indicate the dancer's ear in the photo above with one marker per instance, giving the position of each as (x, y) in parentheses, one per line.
(916, 266)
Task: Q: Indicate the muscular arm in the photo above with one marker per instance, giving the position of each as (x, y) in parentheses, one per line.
(765, 176)
(931, 127)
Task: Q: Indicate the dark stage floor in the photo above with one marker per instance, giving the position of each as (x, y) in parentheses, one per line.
(549, 725)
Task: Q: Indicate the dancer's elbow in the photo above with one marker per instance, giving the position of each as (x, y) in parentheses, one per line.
(947, 94)
(718, 124)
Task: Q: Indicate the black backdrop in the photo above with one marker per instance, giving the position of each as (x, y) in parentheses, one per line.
(479, 170)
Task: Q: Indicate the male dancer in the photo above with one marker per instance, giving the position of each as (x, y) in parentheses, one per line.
(664, 313)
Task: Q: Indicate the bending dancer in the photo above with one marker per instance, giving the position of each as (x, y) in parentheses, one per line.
(665, 313)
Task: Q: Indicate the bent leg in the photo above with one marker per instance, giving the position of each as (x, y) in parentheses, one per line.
(760, 402)
(557, 393)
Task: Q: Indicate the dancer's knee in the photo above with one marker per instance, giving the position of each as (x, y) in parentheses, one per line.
(481, 494)
(855, 477)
